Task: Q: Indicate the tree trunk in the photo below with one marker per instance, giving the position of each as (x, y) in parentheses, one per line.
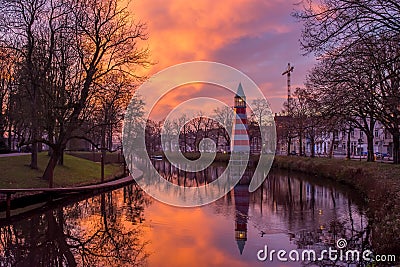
(348, 156)
(110, 141)
(184, 138)
(370, 140)
(49, 172)
(396, 148)
(9, 137)
(34, 154)
(289, 140)
(312, 139)
(331, 147)
(103, 152)
(61, 158)
(301, 144)
(51, 137)
(217, 140)
(103, 158)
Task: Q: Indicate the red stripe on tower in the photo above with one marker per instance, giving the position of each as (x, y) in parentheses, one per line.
(243, 132)
(241, 142)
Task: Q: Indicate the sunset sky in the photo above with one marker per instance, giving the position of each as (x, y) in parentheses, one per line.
(257, 37)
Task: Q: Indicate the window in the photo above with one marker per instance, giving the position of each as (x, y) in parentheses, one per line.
(335, 135)
(352, 133)
(387, 134)
(376, 133)
(361, 134)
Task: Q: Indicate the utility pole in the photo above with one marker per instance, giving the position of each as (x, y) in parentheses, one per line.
(287, 72)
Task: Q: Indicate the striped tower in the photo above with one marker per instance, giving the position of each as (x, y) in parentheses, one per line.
(240, 138)
(242, 200)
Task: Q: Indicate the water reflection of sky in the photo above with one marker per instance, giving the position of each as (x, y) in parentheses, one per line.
(200, 237)
(123, 227)
(205, 236)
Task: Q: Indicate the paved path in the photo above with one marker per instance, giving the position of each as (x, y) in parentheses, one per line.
(13, 155)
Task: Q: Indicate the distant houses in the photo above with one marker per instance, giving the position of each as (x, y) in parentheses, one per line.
(334, 140)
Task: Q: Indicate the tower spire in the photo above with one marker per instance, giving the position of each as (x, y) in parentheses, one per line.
(240, 91)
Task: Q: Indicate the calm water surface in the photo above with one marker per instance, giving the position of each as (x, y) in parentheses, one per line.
(125, 227)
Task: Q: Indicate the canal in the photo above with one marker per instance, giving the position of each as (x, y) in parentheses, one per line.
(126, 227)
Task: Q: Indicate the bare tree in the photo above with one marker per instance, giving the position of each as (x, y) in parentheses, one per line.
(385, 62)
(224, 116)
(339, 24)
(300, 113)
(22, 25)
(360, 39)
(182, 128)
(261, 114)
(70, 51)
(347, 85)
(109, 102)
(168, 133)
(106, 43)
(7, 89)
(197, 124)
(153, 136)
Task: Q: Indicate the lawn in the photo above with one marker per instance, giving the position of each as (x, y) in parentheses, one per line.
(15, 172)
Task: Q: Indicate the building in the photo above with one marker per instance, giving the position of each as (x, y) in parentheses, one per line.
(337, 140)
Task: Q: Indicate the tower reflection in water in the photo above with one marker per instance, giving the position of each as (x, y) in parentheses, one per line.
(242, 197)
(242, 201)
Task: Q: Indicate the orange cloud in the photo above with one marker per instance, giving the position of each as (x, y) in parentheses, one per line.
(182, 30)
(256, 37)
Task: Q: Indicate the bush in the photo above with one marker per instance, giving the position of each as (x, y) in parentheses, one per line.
(4, 149)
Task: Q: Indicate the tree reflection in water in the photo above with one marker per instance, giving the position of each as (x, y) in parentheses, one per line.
(314, 213)
(317, 213)
(289, 211)
(99, 231)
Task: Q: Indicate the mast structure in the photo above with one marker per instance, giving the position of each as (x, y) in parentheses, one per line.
(287, 72)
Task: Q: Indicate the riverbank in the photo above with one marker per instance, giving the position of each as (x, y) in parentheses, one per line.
(219, 157)
(379, 183)
(76, 171)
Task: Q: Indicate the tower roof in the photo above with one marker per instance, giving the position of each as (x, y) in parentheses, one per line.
(240, 244)
(240, 92)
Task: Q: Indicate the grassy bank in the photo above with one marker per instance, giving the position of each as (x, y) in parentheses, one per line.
(15, 172)
(379, 183)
